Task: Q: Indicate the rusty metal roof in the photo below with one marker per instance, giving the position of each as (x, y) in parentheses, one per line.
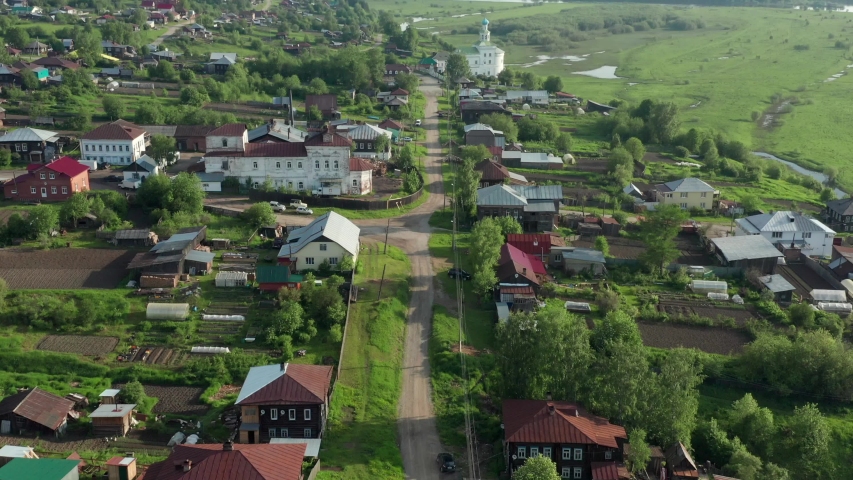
(38, 406)
(543, 421)
(286, 384)
(246, 462)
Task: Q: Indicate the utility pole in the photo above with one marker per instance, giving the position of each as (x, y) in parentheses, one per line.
(386, 235)
(382, 281)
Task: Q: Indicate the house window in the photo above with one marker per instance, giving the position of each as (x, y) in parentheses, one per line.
(704, 194)
(299, 165)
(289, 164)
(273, 413)
(41, 175)
(326, 164)
(307, 414)
(17, 147)
(255, 165)
(608, 455)
(87, 148)
(566, 473)
(114, 148)
(14, 191)
(306, 433)
(317, 164)
(333, 260)
(807, 235)
(291, 414)
(567, 454)
(290, 185)
(323, 247)
(32, 189)
(534, 451)
(355, 183)
(683, 205)
(336, 164)
(224, 142)
(284, 433)
(361, 146)
(272, 433)
(777, 234)
(683, 194)
(309, 260)
(53, 190)
(522, 452)
(277, 165)
(127, 148)
(578, 472)
(301, 185)
(100, 148)
(546, 452)
(702, 204)
(578, 454)
(52, 175)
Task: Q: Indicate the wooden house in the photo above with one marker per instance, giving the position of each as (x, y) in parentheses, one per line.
(112, 420)
(34, 411)
(679, 463)
(272, 278)
(121, 468)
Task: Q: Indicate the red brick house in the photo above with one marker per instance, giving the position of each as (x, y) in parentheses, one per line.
(584, 446)
(52, 182)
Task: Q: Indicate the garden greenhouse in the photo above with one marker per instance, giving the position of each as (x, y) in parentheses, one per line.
(231, 279)
(709, 286)
(832, 296)
(578, 307)
(721, 297)
(835, 307)
(167, 311)
(210, 350)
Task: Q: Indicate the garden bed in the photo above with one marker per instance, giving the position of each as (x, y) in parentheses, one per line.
(717, 340)
(79, 344)
(686, 308)
(175, 400)
(64, 268)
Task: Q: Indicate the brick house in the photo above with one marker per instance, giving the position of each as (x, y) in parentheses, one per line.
(52, 182)
(284, 401)
(584, 446)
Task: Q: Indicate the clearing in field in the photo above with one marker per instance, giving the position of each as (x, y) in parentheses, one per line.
(63, 269)
(707, 339)
(176, 400)
(79, 344)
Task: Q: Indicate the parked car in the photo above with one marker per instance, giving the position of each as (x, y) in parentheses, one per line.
(304, 211)
(277, 207)
(418, 122)
(445, 462)
(458, 272)
(129, 184)
(297, 204)
(406, 139)
(113, 178)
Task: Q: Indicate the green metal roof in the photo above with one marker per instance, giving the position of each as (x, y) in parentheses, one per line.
(427, 61)
(40, 468)
(469, 50)
(275, 274)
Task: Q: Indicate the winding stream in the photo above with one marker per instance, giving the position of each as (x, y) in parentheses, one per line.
(819, 176)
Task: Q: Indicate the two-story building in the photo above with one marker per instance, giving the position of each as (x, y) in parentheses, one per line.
(32, 144)
(364, 139)
(493, 173)
(581, 444)
(789, 229)
(839, 214)
(116, 143)
(329, 238)
(284, 401)
(52, 182)
(533, 206)
(687, 193)
(220, 63)
(117, 50)
(320, 163)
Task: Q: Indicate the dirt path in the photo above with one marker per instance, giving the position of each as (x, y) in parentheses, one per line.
(169, 32)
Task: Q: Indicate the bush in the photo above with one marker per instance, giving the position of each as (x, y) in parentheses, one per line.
(607, 301)
(682, 152)
(133, 392)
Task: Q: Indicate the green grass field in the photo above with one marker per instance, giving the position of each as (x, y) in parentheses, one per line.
(361, 438)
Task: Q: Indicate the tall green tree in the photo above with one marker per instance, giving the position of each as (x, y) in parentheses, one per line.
(616, 328)
(753, 424)
(674, 398)
(187, 194)
(658, 231)
(155, 192)
(641, 454)
(635, 147)
(486, 240)
(457, 67)
(619, 384)
(503, 123)
(563, 142)
(553, 84)
(537, 468)
(467, 182)
(43, 219)
(114, 107)
(259, 214)
(508, 225)
(162, 148)
(808, 442)
(663, 123)
(74, 208)
(602, 246)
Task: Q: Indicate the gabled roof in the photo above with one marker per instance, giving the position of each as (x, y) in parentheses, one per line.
(777, 283)
(539, 192)
(500, 195)
(40, 468)
(67, 166)
(367, 132)
(223, 61)
(29, 135)
(217, 56)
(494, 171)
(280, 130)
(229, 130)
(331, 226)
(842, 207)
(400, 91)
(275, 274)
(679, 460)
(782, 221)
(685, 185)
(514, 261)
(389, 123)
(534, 243)
(246, 462)
(38, 406)
(323, 102)
(286, 384)
(359, 165)
(56, 62)
(542, 421)
(326, 139)
(481, 126)
(478, 105)
(745, 247)
(118, 130)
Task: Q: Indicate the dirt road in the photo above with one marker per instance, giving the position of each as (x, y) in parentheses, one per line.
(169, 32)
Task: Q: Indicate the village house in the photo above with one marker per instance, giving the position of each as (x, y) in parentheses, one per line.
(518, 269)
(533, 206)
(276, 131)
(284, 400)
(56, 64)
(838, 214)
(117, 50)
(747, 252)
(532, 97)
(175, 255)
(679, 463)
(394, 69)
(537, 244)
(141, 169)
(36, 48)
(219, 63)
(116, 143)
(482, 134)
(399, 93)
(493, 173)
(329, 238)
(231, 462)
(473, 109)
(272, 278)
(361, 175)
(364, 139)
(687, 193)
(112, 420)
(535, 160)
(32, 144)
(196, 30)
(327, 104)
(51, 182)
(789, 229)
(781, 288)
(36, 411)
(581, 444)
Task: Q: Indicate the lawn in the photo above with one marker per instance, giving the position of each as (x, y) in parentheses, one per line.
(361, 437)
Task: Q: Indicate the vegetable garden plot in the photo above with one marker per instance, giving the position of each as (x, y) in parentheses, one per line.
(79, 344)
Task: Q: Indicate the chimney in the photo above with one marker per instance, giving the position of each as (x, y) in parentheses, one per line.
(524, 271)
(283, 366)
(577, 413)
(228, 446)
(551, 410)
(548, 396)
(188, 465)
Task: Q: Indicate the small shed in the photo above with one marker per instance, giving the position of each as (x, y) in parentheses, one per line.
(112, 420)
(210, 350)
(780, 287)
(831, 296)
(121, 468)
(610, 227)
(709, 286)
(8, 452)
(167, 311)
(272, 278)
(231, 279)
(220, 243)
(841, 308)
(135, 237)
(270, 231)
(578, 307)
(109, 396)
(198, 262)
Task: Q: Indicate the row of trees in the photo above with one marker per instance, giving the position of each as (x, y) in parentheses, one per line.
(183, 194)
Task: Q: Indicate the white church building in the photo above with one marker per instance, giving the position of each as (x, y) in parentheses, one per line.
(483, 57)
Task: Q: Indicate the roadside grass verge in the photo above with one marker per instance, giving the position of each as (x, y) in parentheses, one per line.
(361, 438)
(374, 214)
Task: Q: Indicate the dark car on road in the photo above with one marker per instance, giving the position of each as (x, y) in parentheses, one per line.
(113, 178)
(458, 272)
(445, 463)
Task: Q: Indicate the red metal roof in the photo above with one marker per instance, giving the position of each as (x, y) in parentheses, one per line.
(400, 91)
(244, 462)
(523, 264)
(115, 131)
(115, 461)
(359, 165)
(229, 130)
(609, 220)
(491, 170)
(294, 150)
(67, 166)
(605, 471)
(542, 421)
(389, 123)
(535, 243)
(518, 290)
(300, 384)
(38, 406)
